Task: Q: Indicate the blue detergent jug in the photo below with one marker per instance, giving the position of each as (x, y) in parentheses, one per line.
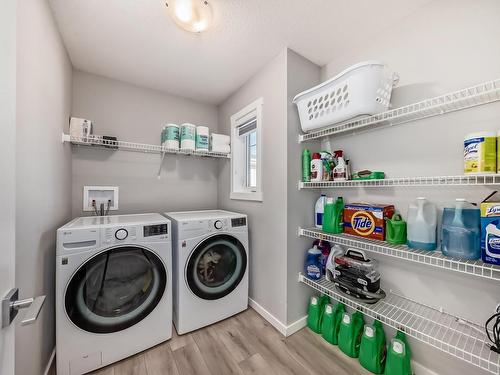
(313, 267)
(461, 237)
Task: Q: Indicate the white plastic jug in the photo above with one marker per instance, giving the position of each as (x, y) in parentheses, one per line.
(422, 225)
(319, 210)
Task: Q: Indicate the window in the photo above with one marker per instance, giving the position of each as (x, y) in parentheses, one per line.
(246, 153)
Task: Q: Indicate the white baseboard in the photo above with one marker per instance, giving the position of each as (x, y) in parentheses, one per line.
(296, 326)
(276, 323)
(50, 363)
(418, 369)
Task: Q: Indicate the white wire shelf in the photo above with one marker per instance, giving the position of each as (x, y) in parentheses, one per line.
(97, 141)
(450, 334)
(460, 180)
(480, 94)
(429, 258)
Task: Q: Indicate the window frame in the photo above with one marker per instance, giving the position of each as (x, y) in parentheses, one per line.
(240, 153)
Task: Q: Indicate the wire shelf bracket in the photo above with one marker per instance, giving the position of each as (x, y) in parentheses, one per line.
(429, 258)
(484, 93)
(451, 334)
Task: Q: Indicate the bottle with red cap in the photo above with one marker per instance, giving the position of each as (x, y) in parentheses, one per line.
(316, 168)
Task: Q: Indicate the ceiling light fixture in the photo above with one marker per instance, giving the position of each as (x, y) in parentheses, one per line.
(191, 15)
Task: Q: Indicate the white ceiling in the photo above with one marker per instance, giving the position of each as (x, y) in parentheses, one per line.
(135, 41)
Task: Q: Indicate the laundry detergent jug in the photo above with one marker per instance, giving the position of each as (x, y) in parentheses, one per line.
(372, 351)
(490, 229)
(333, 220)
(325, 248)
(313, 267)
(422, 225)
(398, 356)
(395, 228)
(315, 312)
(319, 209)
(331, 322)
(461, 237)
(350, 332)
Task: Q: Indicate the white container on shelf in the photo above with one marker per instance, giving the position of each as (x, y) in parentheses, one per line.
(361, 90)
(170, 136)
(188, 136)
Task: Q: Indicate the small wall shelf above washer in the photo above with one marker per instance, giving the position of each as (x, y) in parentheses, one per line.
(437, 181)
(470, 97)
(451, 334)
(96, 141)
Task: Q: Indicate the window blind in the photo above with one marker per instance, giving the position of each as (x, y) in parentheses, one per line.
(247, 127)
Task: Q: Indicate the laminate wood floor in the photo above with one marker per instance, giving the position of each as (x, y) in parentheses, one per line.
(244, 344)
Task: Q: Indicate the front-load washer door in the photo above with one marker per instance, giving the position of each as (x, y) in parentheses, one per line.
(216, 266)
(115, 289)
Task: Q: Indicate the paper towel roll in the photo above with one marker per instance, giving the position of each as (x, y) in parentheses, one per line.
(170, 136)
(202, 133)
(220, 139)
(188, 136)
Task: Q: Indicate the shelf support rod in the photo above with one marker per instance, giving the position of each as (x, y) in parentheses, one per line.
(161, 165)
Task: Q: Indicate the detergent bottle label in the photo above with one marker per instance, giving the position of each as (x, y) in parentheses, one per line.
(490, 232)
(313, 271)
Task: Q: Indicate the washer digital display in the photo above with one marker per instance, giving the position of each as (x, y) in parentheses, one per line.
(239, 222)
(155, 230)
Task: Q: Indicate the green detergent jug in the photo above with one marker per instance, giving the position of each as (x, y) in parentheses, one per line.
(331, 322)
(395, 230)
(315, 312)
(333, 220)
(372, 351)
(398, 356)
(350, 332)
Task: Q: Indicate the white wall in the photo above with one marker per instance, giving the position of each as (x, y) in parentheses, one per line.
(444, 46)
(267, 219)
(43, 166)
(8, 11)
(138, 114)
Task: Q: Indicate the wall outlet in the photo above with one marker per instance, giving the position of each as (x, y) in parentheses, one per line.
(100, 194)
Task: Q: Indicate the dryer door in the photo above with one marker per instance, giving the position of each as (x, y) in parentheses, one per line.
(216, 267)
(115, 289)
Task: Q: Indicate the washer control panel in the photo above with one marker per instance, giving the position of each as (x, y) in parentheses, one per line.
(121, 234)
(218, 225)
(118, 235)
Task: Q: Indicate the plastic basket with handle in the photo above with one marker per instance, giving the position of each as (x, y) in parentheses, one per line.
(363, 89)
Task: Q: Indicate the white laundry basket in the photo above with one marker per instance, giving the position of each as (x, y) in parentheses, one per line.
(362, 89)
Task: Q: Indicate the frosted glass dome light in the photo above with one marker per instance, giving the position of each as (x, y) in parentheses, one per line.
(191, 15)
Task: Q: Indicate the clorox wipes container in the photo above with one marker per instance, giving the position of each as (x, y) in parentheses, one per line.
(480, 153)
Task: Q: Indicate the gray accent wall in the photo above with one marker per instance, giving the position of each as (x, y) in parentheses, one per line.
(137, 114)
(302, 74)
(43, 167)
(267, 219)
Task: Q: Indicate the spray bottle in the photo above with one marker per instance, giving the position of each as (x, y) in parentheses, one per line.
(340, 170)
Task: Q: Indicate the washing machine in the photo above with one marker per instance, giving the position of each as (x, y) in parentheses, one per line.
(113, 289)
(210, 265)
